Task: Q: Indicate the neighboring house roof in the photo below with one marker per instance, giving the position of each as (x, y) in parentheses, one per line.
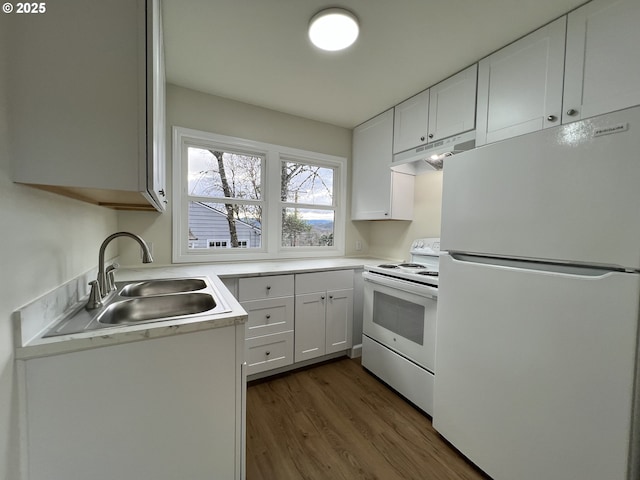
(223, 214)
(209, 227)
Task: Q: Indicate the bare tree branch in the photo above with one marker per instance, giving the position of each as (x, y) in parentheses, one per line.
(231, 220)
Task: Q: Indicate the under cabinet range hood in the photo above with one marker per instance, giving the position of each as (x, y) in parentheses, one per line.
(430, 156)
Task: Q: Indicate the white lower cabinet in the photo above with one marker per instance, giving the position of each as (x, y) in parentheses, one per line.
(159, 409)
(296, 317)
(269, 351)
(269, 302)
(324, 313)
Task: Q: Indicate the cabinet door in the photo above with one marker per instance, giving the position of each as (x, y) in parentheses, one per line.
(78, 93)
(603, 59)
(411, 122)
(402, 188)
(371, 176)
(339, 320)
(452, 105)
(520, 86)
(159, 409)
(310, 326)
(156, 115)
(81, 86)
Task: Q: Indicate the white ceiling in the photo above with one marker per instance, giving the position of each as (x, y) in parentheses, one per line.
(257, 51)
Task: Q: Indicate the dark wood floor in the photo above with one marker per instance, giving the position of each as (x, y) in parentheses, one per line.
(336, 421)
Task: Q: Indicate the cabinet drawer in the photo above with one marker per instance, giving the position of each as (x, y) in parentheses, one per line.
(270, 351)
(273, 315)
(323, 281)
(257, 288)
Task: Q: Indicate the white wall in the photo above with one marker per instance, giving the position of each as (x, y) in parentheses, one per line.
(392, 239)
(200, 111)
(45, 240)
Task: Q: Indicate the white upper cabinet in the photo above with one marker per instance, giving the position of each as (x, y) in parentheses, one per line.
(602, 72)
(520, 86)
(411, 122)
(86, 92)
(377, 192)
(452, 105)
(156, 108)
(441, 111)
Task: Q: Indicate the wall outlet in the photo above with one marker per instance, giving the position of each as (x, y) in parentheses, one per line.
(358, 245)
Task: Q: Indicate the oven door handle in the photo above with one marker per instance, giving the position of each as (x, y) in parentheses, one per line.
(402, 285)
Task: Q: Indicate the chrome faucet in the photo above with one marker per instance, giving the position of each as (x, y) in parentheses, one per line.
(103, 284)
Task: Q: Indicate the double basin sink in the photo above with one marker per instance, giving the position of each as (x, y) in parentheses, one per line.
(138, 302)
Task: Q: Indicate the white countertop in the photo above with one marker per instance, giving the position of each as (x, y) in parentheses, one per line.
(34, 319)
(246, 268)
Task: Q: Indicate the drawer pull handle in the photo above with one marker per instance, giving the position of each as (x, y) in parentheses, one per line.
(330, 297)
(267, 353)
(268, 287)
(268, 316)
(322, 297)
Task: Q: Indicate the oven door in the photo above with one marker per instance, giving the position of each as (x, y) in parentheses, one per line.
(402, 316)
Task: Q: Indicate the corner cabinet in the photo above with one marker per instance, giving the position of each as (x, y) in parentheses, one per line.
(520, 86)
(324, 313)
(378, 193)
(164, 409)
(602, 70)
(86, 98)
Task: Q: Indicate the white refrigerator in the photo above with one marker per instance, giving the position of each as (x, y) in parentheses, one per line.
(537, 329)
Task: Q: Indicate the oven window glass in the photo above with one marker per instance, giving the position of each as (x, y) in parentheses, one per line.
(399, 316)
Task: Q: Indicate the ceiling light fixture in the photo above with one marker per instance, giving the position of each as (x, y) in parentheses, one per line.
(333, 29)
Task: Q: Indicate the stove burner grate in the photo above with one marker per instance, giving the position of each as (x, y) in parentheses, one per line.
(388, 265)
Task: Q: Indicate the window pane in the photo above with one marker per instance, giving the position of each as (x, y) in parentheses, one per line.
(302, 183)
(221, 226)
(216, 173)
(307, 228)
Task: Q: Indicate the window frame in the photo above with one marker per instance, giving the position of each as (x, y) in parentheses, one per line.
(274, 155)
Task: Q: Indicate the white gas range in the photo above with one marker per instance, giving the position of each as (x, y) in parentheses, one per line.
(399, 323)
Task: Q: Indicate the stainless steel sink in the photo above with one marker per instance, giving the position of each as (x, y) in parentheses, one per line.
(139, 302)
(156, 308)
(163, 287)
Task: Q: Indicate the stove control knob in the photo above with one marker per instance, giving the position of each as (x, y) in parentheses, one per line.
(420, 244)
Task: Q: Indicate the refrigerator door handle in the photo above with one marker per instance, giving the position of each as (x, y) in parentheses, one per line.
(551, 268)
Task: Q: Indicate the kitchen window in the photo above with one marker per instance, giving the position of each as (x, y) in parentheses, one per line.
(239, 199)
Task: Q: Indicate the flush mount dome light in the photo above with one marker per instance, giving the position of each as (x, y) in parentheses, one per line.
(333, 29)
